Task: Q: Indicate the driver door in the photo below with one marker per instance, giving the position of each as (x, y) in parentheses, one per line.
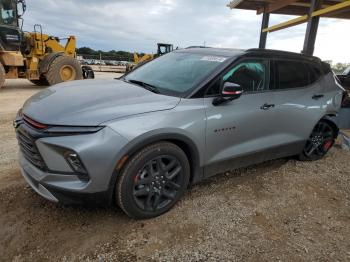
(238, 131)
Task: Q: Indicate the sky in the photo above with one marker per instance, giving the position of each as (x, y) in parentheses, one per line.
(137, 25)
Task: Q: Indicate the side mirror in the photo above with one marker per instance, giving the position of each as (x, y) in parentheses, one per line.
(229, 92)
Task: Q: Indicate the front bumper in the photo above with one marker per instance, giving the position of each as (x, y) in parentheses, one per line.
(99, 153)
(33, 181)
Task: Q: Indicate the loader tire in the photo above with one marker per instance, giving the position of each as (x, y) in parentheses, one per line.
(63, 69)
(2, 75)
(40, 82)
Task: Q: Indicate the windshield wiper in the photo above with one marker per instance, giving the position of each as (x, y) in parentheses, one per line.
(146, 86)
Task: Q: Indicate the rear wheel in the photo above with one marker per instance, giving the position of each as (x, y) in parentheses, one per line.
(63, 69)
(320, 141)
(2, 75)
(153, 181)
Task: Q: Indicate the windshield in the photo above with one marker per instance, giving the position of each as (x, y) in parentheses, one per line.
(176, 73)
(347, 71)
(8, 12)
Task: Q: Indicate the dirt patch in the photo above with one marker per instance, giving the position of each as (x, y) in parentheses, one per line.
(282, 210)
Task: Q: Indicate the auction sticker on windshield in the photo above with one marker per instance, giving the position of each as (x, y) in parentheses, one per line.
(218, 59)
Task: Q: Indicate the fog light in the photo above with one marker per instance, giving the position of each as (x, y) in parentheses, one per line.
(75, 163)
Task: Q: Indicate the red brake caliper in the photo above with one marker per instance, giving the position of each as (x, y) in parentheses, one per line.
(136, 179)
(327, 145)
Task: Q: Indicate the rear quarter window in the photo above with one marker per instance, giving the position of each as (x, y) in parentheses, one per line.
(314, 72)
(326, 68)
(291, 74)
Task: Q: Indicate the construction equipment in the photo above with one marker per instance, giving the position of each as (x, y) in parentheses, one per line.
(35, 56)
(141, 60)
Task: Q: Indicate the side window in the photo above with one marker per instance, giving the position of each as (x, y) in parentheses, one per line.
(7, 12)
(291, 74)
(214, 88)
(252, 75)
(315, 73)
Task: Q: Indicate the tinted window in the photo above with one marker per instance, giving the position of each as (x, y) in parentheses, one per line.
(314, 72)
(251, 75)
(291, 74)
(214, 88)
(347, 71)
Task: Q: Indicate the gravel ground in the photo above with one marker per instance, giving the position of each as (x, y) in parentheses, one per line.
(282, 210)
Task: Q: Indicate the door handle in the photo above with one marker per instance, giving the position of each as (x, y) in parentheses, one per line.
(316, 97)
(267, 106)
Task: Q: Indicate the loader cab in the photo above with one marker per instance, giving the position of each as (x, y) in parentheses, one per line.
(164, 49)
(10, 33)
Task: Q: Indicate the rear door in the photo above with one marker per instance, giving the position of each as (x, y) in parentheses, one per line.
(298, 100)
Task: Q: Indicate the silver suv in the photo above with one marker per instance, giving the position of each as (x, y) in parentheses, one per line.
(139, 141)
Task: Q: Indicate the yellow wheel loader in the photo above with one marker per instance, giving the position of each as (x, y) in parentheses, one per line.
(162, 49)
(38, 57)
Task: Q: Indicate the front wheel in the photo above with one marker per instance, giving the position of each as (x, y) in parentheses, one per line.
(153, 180)
(320, 141)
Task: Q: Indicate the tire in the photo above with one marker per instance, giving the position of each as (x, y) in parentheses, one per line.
(322, 139)
(88, 72)
(142, 180)
(2, 75)
(40, 82)
(63, 69)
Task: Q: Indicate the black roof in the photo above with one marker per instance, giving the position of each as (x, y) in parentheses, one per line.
(281, 54)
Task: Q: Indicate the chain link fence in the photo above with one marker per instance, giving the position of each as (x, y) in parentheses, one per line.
(102, 59)
(106, 63)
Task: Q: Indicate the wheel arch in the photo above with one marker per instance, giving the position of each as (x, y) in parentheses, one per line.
(329, 118)
(182, 141)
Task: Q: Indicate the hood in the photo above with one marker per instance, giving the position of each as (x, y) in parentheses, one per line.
(92, 102)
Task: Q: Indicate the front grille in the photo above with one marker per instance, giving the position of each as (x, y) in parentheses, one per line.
(29, 149)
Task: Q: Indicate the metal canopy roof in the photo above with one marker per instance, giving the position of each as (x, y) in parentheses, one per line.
(290, 7)
(307, 11)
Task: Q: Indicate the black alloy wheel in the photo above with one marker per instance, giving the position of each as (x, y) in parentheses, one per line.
(153, 180)
(320, 141)
(157, 183)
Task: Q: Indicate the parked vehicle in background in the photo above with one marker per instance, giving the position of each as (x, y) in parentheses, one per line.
(345, 78)
(183, 117)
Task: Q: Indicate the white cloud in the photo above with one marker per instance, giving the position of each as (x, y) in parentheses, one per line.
(332, 41)
(137, 25)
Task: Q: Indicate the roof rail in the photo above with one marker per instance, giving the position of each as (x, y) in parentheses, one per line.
(287, 53)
